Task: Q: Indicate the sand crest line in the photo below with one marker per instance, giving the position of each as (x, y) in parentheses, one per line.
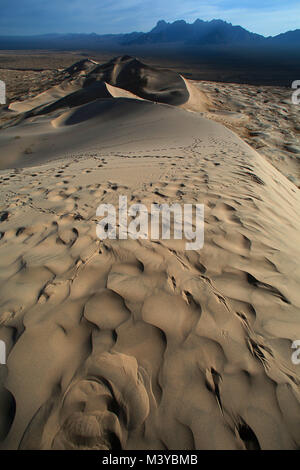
(185, 218)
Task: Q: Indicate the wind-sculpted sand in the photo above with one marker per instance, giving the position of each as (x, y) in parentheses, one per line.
(265, 117)
(140, 344)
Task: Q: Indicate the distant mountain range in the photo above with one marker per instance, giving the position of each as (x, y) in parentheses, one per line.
(199, 33)
(204, 33)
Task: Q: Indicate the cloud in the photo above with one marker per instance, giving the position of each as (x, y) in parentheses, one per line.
(108, 16)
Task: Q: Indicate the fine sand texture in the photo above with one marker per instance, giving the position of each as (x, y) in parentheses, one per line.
(265, 117)
(141, 344)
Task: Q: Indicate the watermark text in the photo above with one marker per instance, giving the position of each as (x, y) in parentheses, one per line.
(163, 221)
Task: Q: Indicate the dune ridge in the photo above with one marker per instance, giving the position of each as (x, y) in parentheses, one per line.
(140, 344)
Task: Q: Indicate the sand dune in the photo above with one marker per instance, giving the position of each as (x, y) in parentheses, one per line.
(140, 344)
(126, 72)
(47, 97)
(198, 101)
(105, 124)
(123, 77)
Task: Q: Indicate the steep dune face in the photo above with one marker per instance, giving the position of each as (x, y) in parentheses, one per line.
(122, 77)
(60, 98)
(82, 82)
(141, 344)
(52, 95)
(163, 86)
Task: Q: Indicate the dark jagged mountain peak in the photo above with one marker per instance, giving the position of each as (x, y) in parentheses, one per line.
(197, 33)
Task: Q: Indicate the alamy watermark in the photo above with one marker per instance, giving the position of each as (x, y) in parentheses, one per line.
(296, 354)
(163, 222)
(2, 92)
(2, 352)
(296, 93)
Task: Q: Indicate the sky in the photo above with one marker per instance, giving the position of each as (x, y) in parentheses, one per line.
(26, 17)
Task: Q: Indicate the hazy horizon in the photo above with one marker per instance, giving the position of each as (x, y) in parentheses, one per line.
(32, 17)
(138, 31)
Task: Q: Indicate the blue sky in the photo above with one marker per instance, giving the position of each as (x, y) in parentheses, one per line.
(268, 17)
